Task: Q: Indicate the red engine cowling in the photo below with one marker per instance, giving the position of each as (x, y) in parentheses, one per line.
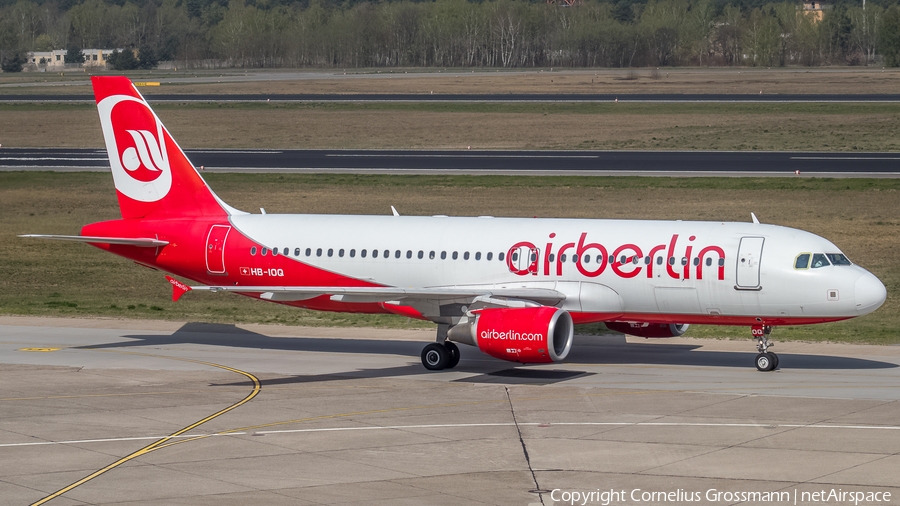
(649, 329)
(527, 335)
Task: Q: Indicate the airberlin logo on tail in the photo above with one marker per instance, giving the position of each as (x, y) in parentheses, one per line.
(145, 151)
(135, 143)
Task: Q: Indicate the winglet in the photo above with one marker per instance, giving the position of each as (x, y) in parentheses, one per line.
(753, 215)
(394, 211)
(178, 288)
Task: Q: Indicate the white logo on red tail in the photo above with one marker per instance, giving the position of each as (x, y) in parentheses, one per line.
(136, 146)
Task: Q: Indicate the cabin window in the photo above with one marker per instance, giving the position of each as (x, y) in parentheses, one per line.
(253, 251)
(708, 261)
(623, 260)
(552, 256)
(341, 252)
(819, 260)
(387, 253)
(478, 255)
(443, 255)
(455, 255)
(466, 255)
(362, 253)
(647, 260)
(515, 256)
(838, 259)
(296, 252)
(659, 260)
(330, 252)
(802, 261)
(319, 252)
(587, 259)
(696, 261)
(286, 252)
(353, 253)
(574, 259)
(721, 262)
(490, 255)
(431, 255)
(599, 259)
(264, 251)
(274, 252)
(562, 258)
(500, 256)
(684, 261)
(308, 251)
(397, 254)
(408, 253)
(421, 254)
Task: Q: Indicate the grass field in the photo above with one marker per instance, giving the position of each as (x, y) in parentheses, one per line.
(861, 216)
(766, 127)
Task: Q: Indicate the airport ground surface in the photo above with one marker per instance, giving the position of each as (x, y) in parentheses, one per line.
(350, 415)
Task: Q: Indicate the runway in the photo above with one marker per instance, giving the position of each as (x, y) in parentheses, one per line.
(482, 98)
(184, 413)
(623, 163)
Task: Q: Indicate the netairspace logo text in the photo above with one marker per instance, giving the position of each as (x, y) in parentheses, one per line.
(715, 496)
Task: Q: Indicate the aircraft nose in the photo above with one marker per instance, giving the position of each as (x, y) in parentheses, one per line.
(870, 293)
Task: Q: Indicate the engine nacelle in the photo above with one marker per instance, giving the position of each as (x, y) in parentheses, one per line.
(649, 329)
(528, 335)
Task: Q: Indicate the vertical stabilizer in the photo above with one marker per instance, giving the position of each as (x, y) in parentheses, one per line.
(153, 176)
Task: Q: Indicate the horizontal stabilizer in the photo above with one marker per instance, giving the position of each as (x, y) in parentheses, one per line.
(128, 241)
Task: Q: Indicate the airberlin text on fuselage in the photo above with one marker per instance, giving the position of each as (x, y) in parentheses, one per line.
(673, 264)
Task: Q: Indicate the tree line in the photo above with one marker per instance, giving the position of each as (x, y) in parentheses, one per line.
(457, 33)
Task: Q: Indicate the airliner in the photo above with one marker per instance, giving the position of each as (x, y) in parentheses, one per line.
(512, 287)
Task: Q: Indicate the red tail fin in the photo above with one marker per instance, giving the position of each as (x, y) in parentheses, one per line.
(153, 176)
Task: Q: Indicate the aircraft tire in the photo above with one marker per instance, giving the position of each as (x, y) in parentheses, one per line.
(774, 360)
(764, 362)
(453, 349)
(435, 357)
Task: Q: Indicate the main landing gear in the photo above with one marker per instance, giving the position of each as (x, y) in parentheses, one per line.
(443, 354)
(766, 360)
(437, 356)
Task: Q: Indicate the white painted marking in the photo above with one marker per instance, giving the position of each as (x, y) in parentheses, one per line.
(844, 158)
(457, 155)
(465, 425)
(23, 158)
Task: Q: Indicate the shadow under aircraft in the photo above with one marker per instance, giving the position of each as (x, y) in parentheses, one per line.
(588, 349)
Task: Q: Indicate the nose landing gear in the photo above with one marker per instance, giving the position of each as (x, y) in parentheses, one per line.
(766, 360)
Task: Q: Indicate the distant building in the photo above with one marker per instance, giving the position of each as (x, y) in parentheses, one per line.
(815, 9)
(56, 59)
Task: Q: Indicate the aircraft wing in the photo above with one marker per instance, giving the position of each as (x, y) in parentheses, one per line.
(144, 242)
(542, 296)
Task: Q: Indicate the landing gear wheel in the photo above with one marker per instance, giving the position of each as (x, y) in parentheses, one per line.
(435, 357)
(764, 362)
(774, 360)
(454, 354)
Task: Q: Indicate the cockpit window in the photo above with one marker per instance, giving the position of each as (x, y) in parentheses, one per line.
(838, 259)
(819, 260)
(802, 261)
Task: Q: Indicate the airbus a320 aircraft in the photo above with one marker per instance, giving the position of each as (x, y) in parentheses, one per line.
(512, 287)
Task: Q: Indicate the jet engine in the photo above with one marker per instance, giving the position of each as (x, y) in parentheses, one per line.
(527, 335)
(649, 329)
